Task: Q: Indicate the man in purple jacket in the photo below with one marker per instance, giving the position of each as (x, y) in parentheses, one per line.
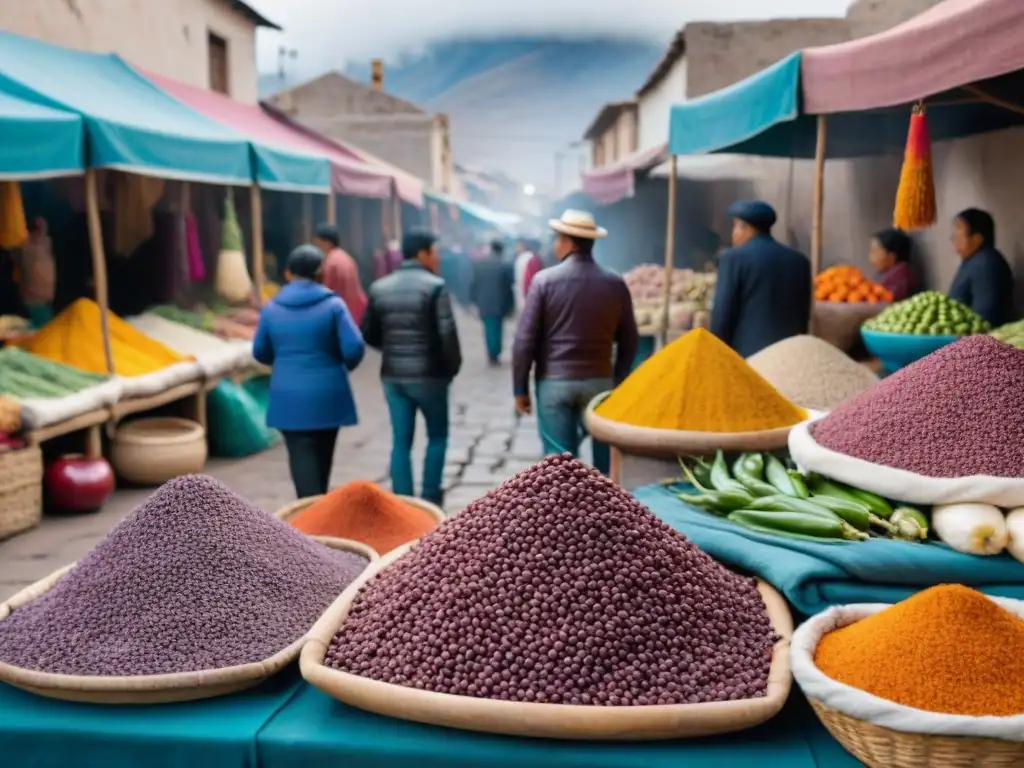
(576, 314)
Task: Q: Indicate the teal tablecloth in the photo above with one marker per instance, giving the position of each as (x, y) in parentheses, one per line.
(36, 732)
(315, 730)
(816, 576)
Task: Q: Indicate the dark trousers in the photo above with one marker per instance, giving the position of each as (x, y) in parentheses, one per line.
(493, 336)
(310, 455)
(405, 399)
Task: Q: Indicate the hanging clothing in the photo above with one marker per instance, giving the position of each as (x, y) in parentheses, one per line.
(196, 265)
(38, 272)
(13, 227)
(134, 199)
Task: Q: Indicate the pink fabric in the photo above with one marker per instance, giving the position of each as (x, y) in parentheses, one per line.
(349, 175)
(532, 268)
(951, 44)
(341, 275)
(196, 266)
(618, 181)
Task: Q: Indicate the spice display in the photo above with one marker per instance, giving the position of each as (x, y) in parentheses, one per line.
(363, 511)
(215, 354)
(698, 384)
(560, 587)
(848, 284)
(74, 338)
(196, 578)
(948, 649)
(953, 413)
(646, 282)
(23, 375)
(811, 372)
(10, 415)
(13, 227)
(1011, 333)
(977, 529)
(201, 322)
(928, 314)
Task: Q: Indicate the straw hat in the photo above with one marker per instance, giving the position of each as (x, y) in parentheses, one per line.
(578, 224)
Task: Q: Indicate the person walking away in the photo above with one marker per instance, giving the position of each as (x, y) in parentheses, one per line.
(763, 290)
(576, 313)
(492, 295)
(409, 319)
(527, 265)
(889, 254)
(340, 271)
(308, 336)
(984, 281)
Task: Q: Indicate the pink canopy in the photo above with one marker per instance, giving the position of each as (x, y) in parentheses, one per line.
(349, 175)
(618, 181)
(950, 45)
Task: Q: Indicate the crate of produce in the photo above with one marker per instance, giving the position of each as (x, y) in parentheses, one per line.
(21, 490)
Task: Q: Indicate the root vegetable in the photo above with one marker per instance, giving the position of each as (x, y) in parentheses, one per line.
(976, 529)
(1015, 533)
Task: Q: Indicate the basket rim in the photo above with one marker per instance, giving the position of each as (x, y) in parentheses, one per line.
(880, 712)
(153, 687)
(565, 721)
(136, 431)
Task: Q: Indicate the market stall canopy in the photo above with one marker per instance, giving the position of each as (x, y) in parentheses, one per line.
(379, 176)
(38, 142)
(618, 181)
(130, 124)
(281, 158)
(478, 215)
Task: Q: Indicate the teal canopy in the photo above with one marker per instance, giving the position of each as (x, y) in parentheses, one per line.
(38, 142)
(130, 124)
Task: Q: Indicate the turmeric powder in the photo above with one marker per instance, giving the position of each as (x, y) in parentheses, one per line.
(948, 649)
(74, 338)
(698, 384)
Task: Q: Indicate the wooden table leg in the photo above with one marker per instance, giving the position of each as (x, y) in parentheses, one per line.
(93, 443)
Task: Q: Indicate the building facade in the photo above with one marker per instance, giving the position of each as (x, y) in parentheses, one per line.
(205, 43)
(613, 133)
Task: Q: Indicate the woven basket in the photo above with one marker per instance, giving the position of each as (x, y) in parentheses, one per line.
(555, 721)
(153, 451)
(150, 689)
(21, 490)
(285, 514)
(839, 323)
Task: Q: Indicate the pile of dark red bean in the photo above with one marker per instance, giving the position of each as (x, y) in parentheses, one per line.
(196, 578)
(954, 413)
(559, 587)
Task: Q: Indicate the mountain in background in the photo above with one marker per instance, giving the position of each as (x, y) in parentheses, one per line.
(515, 103)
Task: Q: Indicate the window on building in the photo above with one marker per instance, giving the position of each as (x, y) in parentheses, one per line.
(217, 48)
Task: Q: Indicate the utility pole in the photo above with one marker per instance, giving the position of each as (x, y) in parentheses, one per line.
(284, 54)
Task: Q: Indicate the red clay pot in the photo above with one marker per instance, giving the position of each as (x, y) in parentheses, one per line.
(77, 484)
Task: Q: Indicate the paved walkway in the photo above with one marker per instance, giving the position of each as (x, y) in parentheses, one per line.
(487, 445)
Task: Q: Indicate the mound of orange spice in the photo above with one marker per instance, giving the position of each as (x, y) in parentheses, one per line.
(365, 512)
(848, 284)
(947, 649)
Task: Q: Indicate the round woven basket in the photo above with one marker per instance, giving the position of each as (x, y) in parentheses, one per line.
(285, 514)
(154, 450)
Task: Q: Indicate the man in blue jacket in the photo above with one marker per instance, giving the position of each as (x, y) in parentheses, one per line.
(492, 294)
(984, 281)
(307, 334)
(763, 291)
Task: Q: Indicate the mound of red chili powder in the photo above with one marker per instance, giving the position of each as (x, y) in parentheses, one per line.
(954, 413)
(559, 587)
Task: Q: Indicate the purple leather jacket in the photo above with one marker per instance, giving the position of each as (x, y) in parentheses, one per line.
(574, 314)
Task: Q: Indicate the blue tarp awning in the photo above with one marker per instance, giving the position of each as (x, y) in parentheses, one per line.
(38, 142)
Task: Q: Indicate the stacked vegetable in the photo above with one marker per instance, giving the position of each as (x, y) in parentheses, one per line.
(1011, 333)
(848, 285)
(980, 529)
(689, 297)
(763, 495)
(23, 375)
(929, 314)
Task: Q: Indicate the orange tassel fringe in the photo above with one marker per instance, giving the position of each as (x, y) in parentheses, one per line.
(915, 198)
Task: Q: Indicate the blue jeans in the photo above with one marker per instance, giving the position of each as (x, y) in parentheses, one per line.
(560, 407)
(494, 328)
(405, 398)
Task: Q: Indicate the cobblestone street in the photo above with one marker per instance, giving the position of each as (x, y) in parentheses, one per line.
(486, 445)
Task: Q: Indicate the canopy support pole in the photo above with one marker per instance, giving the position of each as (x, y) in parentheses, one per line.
(307, 217)
(819, 206)
(185, 201)
(256, 214)
(99, 260)
(670, 247)
(995, 100)
(332, 212)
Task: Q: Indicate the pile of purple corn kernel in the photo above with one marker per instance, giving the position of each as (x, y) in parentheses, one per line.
(559, 587)
(196, 578)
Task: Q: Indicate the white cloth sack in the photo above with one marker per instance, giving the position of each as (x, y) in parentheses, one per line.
(215, 356)
(39, 412)
(899, 484)
(872, 709)
(162, 380)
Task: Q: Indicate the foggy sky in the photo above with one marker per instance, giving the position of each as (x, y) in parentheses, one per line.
(329, 33)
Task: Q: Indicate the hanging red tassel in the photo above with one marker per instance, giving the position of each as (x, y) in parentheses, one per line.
(915, 198)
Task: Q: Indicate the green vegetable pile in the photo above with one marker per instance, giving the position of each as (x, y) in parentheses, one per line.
(928, 314)
(761, 494)
(23, 374)
(1011, 333)
(175, 314)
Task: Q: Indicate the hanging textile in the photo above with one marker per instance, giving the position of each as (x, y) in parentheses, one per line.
(196, 266)
(13, 228)
(134, 199)
(38, 273)
(915, 197)
(233, 281)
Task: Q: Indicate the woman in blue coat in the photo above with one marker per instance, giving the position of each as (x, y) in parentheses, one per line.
(307, 334)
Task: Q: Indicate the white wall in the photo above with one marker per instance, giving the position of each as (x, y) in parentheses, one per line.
(655, 106)
(168, 37)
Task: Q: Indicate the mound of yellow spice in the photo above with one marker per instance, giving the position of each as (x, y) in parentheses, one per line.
(698, 384)
(947, 649)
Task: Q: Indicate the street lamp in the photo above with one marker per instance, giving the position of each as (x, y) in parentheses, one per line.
(529, 190)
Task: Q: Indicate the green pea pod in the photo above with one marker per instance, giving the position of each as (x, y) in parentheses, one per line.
(904, 516)
(855, 514)
(787, 535)
(797, 523)
(874, 502)
(721, 480)
(700, 469)
(747, 472)
(717, 501)
(799, 484)
(821, 487)
(776, 474)
(782, 503)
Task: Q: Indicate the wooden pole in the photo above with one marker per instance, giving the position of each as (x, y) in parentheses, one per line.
(99, 261)
(332, 212)
(256, 214)
(185, 201)
(670, 247)
(819, 206)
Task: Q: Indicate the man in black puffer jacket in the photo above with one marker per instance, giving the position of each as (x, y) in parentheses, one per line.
(409, 319)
